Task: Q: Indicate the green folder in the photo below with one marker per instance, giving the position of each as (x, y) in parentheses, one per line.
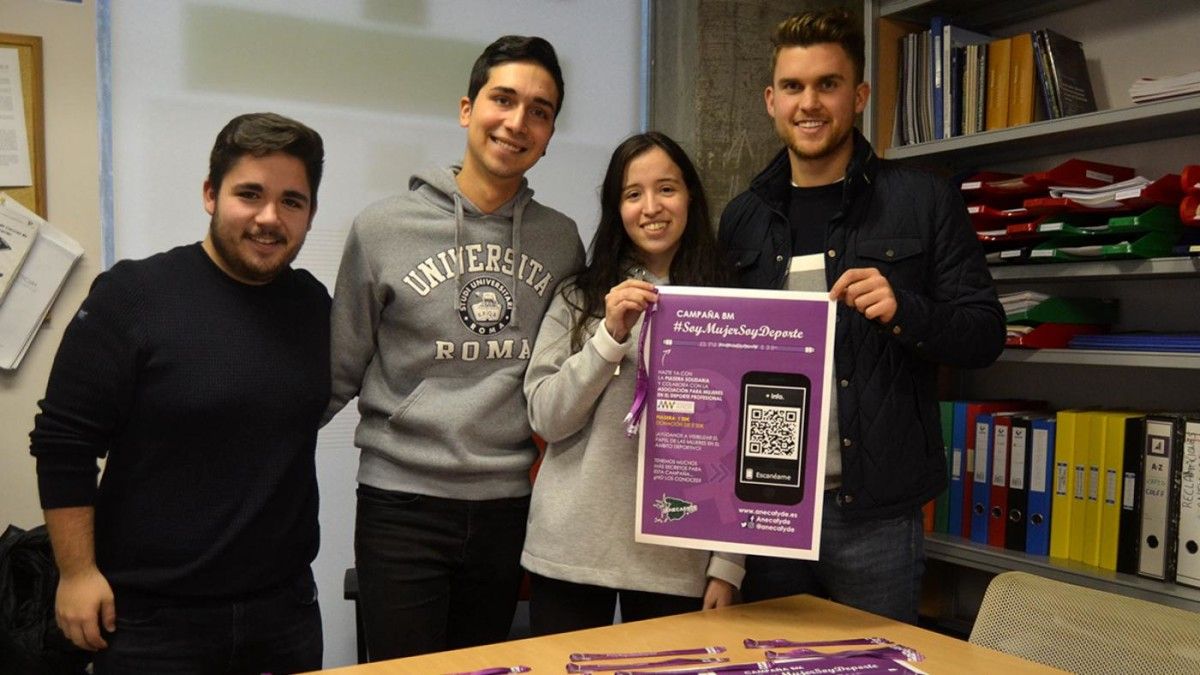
(1067, 310)
(1157, 219)
(1148, 245)
(941, 506)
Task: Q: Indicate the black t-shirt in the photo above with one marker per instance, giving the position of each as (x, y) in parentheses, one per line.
(809, 211)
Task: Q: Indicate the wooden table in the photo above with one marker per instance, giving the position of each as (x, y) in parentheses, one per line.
(800, 617)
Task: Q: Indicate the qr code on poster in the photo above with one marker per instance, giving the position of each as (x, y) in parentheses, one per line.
(772, 431)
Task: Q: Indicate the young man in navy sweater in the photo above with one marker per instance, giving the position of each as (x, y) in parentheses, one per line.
(200, 374)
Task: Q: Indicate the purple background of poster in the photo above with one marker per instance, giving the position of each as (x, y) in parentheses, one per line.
(717, 515)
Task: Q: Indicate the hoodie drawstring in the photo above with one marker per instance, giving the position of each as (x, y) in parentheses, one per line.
(458, 251)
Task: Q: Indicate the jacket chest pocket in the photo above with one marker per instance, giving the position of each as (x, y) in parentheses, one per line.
(900, 259)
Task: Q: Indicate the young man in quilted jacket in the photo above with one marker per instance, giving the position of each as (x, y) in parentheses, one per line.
(894, 247)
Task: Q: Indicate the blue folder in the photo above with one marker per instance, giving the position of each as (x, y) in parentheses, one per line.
(1041, 486)
(981, 490)
(1139, 342)
(958, 468)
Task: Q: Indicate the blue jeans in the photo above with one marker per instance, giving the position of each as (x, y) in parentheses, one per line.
(436, 573)
(874, 565)
(276, 631)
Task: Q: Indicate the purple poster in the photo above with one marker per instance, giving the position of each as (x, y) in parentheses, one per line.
(732, 447)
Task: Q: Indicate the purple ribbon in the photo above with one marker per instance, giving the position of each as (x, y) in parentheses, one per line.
(597, 667)
(893, 652)
(634, 419)
(716, 649)
(751, 643)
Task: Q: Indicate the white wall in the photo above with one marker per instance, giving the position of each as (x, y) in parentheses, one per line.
(381, 81)
(72, 190)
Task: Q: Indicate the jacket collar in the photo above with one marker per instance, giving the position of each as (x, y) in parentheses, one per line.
(772, 183)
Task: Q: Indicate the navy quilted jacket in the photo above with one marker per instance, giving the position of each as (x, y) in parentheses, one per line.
(913, 227)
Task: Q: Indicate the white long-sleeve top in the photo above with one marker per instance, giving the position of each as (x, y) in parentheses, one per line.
(581, 519)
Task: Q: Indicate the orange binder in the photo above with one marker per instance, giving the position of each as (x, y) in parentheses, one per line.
(999, 64)
(1021, 80)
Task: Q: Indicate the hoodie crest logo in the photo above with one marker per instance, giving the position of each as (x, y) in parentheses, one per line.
(485, 306)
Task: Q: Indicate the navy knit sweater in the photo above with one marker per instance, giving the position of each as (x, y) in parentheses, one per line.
(205, 395)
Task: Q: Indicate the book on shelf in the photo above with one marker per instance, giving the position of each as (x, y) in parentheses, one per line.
(1021, 104)
(937, 79)
(1161, 463)
(979, 103)
(981, 474)
(941, 511)
(998, 506)
(1093, 497)
(1187, 568)
(1041, 485)
(889, 89)
(1081, 455)
(1122, 434)
(999, 64)
(1067, 77)
(1147, 89)
(1130, 531)
(1018, 483)
(955, 40)
(1063, 500)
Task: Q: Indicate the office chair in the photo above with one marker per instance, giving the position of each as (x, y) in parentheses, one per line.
(1085, 630)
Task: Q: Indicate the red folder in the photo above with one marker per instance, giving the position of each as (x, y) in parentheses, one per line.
(1052, 335)
(974, 189)
(984, 217)
(1189, 210)
(1017, 232)
(1071, 173)
(974, 408)
(1189, 178)
(998, 497)
(1165, 190)
(1046, 206)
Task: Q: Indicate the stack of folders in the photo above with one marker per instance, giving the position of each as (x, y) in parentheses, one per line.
(1077, 211)
(1189, 210)
(1113, 489)
(1148, 89)
(34, 281)
(1040, 321)
(954, 81)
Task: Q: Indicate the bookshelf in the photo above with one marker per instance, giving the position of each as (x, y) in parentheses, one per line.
(967, 553)
(1146, 122)
(1123, 40)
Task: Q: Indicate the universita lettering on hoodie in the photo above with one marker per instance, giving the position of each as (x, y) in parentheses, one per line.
(485, 304)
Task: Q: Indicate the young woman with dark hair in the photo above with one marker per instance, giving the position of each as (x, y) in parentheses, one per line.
(654, 229)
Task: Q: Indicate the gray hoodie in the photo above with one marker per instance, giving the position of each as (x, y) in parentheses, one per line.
(581, 518)
(434, 316)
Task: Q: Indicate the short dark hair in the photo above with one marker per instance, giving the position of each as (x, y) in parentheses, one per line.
(260, 134)
(839, 26)
(516, 48)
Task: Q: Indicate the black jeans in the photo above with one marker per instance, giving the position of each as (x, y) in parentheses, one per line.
(436, 573)
(277, 631)
(559, 606)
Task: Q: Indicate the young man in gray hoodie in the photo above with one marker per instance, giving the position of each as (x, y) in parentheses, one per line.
(439, 296)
